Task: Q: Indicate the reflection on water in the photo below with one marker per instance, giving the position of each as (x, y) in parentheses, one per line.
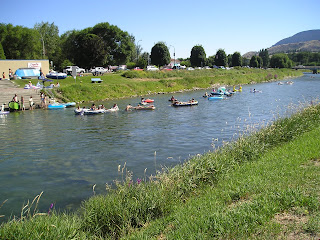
(64, 155)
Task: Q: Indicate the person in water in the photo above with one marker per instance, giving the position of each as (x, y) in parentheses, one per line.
(93, 107)
(129, 107)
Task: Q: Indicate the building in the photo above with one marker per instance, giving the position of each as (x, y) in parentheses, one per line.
(14, 64)
(174, 62)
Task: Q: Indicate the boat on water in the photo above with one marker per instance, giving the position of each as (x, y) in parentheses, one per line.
(183, 104)
(70, 104)
(2, 111)
(56, 106)
(88, 111)
(216, 97)
(13, 106)
(148, 100)
(56, 75)
(145, 107)
(115, 108)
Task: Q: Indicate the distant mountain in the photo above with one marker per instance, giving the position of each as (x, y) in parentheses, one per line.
(304, 36)
(310, 46)
(306, 41)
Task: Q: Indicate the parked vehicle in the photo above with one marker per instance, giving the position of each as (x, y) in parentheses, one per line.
(68, 70)
(138, 69)
(152, 68)
(122, 67)
(98, 71)
(190, 68)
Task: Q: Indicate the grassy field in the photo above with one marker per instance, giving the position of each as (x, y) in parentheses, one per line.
(137, 83)
(264, 185)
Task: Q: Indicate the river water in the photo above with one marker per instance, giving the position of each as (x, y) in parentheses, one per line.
(64, 155)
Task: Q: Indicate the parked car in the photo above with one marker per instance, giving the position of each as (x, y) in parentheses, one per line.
(190, 68)
(122, 67)
(152, 68)
(98, 71)
(138, 69)
(68, 70)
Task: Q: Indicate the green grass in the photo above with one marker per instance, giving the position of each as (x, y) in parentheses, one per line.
(242, 190)
(137, 83)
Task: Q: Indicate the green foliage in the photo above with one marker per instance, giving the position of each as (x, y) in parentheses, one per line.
(305, 58)
(143, 61)
(186, 63)
(221, 58)
(20, 42)
(254, 62)
(160, 55)
(236, 59)
(131, 65)
(2, 55)
(264, 54)
(280, 60)
(49, 34)
(210, 61)
(260, 62)
(198, 56)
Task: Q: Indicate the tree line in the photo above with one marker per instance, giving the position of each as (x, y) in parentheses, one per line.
(105, 44)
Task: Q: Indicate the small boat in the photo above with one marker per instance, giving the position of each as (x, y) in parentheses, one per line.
(145, 107)
(255, 91)
(113, 109)
(14, 106)
(70, 104)
(4, 112)
(183, 104)
(216, 97)
(56, 106)
(56, 75)
(88, 111)
(148, 100)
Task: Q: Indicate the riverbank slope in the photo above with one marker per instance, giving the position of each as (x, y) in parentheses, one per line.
(140, 83)
(265, 185)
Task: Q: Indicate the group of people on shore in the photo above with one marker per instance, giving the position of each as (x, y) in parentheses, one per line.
(21, 102)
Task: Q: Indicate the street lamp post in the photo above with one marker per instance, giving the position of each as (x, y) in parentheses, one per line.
(138, 49)
(174, 55)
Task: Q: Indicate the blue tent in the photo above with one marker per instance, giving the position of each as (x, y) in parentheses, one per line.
(27, 72)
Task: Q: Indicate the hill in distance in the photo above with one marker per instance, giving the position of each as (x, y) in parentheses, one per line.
(304, 36)
(306, 41)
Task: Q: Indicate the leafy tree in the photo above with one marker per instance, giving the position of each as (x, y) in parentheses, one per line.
(20, 42)
(254, 62)
(210, 61)
(49, 34)
(198, 56)
(221, 58)
(143, 60)
(186, 63)
(160, 55)
(260, 62)
(280, 60)
(263, 53)
(236, 59)
(245, 62)
(2, 55)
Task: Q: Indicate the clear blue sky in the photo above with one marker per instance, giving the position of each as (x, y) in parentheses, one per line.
(232, 25)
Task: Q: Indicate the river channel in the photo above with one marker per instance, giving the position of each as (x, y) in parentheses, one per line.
(64, 155)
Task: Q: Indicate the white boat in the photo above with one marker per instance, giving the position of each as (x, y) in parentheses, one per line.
(56, 75)
(88, 111)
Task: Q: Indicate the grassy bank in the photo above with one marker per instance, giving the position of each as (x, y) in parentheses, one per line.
(247, 189)
(136, 83)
